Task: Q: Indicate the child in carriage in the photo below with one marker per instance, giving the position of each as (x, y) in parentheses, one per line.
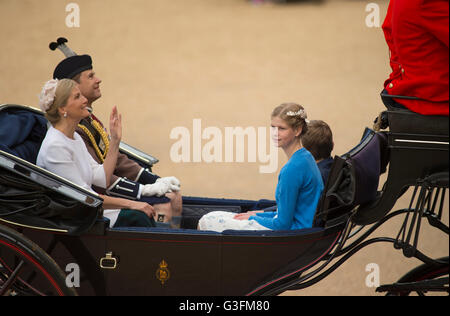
(318, 140)
(299, 183)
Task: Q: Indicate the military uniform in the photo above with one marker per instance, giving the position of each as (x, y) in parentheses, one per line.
(417, 33)
(128, 175)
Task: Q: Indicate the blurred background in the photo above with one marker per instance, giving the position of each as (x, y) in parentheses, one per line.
(228, 63)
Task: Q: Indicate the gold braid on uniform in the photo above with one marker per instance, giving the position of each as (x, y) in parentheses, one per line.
(103, 135)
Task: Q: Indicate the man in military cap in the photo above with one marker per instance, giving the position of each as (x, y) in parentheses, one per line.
(130, 180)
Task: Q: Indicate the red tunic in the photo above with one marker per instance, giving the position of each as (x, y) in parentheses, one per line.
(417, 33)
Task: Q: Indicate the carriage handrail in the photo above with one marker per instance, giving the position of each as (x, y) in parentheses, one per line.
(137, 154)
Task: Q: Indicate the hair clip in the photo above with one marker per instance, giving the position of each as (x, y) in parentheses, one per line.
(47, 95)
(300, 113)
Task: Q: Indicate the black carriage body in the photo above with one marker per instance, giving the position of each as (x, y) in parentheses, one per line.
(169, 262)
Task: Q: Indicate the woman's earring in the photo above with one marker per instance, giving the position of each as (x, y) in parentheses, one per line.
(65, 114)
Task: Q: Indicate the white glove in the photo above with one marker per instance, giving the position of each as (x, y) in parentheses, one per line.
(158, 188)
(174, 183)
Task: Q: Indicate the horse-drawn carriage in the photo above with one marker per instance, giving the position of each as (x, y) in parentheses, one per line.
(55, 241)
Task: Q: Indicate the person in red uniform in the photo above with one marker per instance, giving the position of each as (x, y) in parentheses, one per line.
(417, 33)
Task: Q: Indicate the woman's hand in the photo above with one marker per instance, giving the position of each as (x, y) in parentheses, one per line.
(143, 207)
(246, 216)
(115, 125)
(110, 202)
(115, 131)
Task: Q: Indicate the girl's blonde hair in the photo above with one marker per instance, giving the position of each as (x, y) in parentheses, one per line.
(293, 114)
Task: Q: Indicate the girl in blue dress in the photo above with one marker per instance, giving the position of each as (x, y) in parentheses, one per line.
(299, 182)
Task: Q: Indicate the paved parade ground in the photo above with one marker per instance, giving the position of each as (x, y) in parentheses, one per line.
(181, 70)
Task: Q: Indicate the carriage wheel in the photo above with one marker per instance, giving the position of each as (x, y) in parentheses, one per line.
(26, 270)
(423, 272)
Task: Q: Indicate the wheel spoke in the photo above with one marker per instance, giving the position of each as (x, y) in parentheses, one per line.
(12, 278)
(26, 269)
(22, 286)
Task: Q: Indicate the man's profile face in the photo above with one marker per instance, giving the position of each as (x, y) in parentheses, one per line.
(89, 85)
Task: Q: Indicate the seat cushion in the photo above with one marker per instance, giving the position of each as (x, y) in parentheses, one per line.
(405, 121)
(21, 133)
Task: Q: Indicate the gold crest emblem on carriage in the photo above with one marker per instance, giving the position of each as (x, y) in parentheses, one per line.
(162, 273)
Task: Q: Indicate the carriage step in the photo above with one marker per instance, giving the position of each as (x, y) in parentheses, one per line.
(436, 285)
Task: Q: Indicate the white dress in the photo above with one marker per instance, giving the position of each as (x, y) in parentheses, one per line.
(219, 221)
(70, 159)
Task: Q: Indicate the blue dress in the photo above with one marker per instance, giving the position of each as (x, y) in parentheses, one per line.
(297, 194)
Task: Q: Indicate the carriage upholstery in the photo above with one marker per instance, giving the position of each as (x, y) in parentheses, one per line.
(402, 120)
(354, 178)
(22, 131)
(405, 121)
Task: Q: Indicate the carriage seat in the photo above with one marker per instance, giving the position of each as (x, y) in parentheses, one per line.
(354, 178)
(418, 148)
(406, 121)
(22, 131)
